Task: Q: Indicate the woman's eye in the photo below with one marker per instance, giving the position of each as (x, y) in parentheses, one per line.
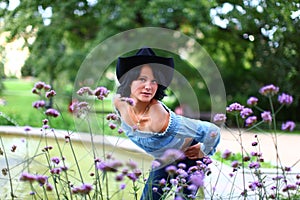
(142, 79)
(154, 81)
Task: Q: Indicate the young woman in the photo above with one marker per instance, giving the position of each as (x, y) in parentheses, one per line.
(150, 124)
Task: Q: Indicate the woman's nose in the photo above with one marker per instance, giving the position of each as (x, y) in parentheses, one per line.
(147, 86)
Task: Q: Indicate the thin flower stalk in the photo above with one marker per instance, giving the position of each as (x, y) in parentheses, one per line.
(8, 170)
(97, 183)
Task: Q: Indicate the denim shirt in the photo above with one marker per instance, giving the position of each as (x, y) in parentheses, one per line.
(179, 128)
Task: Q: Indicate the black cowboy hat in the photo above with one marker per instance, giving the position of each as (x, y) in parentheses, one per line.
(146, 56)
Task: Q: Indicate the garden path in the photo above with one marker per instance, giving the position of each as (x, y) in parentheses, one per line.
(288, 151)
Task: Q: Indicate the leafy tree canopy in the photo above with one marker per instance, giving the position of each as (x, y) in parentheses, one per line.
(252, 42)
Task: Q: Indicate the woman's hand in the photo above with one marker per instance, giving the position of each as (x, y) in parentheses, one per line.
(194, 152)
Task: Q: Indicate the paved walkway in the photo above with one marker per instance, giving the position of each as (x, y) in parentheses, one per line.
(288, 146)
(226, 188)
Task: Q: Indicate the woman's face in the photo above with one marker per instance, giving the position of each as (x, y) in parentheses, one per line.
(145, 86)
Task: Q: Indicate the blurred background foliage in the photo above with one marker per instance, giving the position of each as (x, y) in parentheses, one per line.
(252, 42)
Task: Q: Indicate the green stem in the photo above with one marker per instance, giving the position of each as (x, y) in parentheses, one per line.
(8, 171)
(47, 154)
(242, 151)
(95, 164)
(61, 155)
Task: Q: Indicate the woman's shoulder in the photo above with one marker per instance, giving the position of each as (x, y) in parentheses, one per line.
(118, 103)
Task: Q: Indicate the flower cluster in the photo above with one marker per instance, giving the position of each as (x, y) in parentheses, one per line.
(180, 177)
(269, 90)
(128, 100)
(83, 189)
(38, 88)
(100, 92)
(266, 115)
(79, 109)
(254, 160)
(42, 180)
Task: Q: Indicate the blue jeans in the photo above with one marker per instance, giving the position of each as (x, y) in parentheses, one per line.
(156, 175)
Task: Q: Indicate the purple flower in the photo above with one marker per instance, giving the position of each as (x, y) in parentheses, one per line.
(172, 155)
(137, 172)
(39, 85)
(128, 100)
(80, 109)
(55, 170)
(119, 177)
(52, 112)
(45, 121)
(181, 165)
(254, 144)
(287, 169)
(226, 154)
(246, 112)
(120, 131)
(234, 107)
(132, 164)
(109, 166)
(111, 116)
(154, 189)
(197, 179)
(174, 181)
(39, 104)
(49, 187)
(83, 189)
(162, 182)
(289, 125)
(35, 91)
(252, 101)
(122, 186)
(266, 116)
(254, 165)
(181, 173)
(285, 99)
(234, 164)
(192, 187)
(112, 126)
(132, 176)
(171, 169)
(50, 94)
(27, 128)
(255, 185)
(55, 160)
(25, 176)
(289, 187)
(42, 179)
(101, 92)
(207, 160)
(47, 87)
(219, 118)
(269, 90)
(166, 189)
(251, 120)
(279, 177)
(84, 90)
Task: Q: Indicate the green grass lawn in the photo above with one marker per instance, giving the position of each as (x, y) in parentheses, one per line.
(18, 108)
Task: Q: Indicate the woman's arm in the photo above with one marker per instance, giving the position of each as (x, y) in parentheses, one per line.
(194, 152)
(207, 133)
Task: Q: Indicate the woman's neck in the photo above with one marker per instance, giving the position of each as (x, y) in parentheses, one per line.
(140, 107)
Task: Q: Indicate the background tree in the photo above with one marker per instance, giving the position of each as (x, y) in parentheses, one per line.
(252, 42)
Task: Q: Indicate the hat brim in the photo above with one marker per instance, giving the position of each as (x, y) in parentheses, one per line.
(125, 64)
